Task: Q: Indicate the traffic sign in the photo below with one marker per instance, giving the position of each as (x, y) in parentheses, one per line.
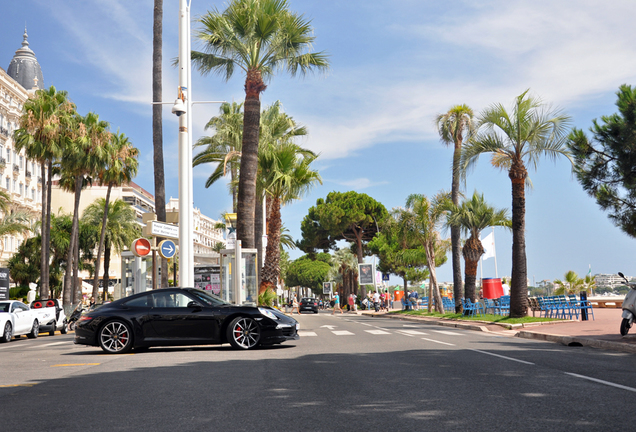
(141, 247)
(161, 229)
(167, 248)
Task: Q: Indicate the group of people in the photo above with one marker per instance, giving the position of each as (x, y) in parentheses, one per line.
(377, 300)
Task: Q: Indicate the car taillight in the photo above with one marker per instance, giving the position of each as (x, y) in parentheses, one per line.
(85, 318)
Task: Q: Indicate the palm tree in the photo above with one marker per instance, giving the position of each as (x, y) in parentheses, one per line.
(258, 37)
(121, 167)
(473, 216)
(13, 221)
(424, 225)
(224, 147)
(453, 127)
(85, 155)
(344, 271)
(157, 123)
(516, 139)
(120, 230)
(42, 134)
(286, 175)
(571, 284)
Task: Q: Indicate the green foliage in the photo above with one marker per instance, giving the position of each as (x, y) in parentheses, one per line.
(351, 216)
(571, 284)
(18, 293)
(604, 164)
(24, 266)
(267, 298)
(308, 273)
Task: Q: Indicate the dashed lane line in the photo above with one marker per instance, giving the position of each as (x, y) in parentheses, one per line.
(75, 364)
(413, 332)
(450, 333)
(501, 356)
(438, 342)
(51, 344)
(306, 333)
(607, 383)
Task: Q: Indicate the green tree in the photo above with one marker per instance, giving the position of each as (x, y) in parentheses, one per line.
(398, 250)
(307, 272)
(473, 216)
(454, 126)
(121, 229)
(223, 147)
(424, 222)
(43, 132)
(24, 265)
(344, 272)
(570, 284)
(258, 37)
(85, 155)
(518, 139)
(121, 167)
(351, 216)
(604, 164)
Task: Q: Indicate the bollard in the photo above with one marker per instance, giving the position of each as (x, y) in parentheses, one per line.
(583, 296)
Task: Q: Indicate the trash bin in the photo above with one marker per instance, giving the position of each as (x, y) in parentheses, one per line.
(492, 288)
(583, 296)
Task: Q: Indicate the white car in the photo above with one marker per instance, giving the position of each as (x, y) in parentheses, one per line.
(17, 319)
(57, 320)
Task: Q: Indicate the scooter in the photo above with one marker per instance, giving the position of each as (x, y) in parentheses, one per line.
(629, 307)
(75, 316)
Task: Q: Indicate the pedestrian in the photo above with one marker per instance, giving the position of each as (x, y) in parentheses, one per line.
(336, 303)
(295, 305)
(350, 301)
(376, 301)
(355, 302)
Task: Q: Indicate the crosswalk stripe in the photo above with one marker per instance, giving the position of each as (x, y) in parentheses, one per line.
(306, 333)
(450, 333)
(377, 332)
(413, 332)
(342, 333)
(439, 342)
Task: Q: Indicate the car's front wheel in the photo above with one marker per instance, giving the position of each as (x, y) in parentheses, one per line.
(115, 337)
(8, 333)
(243, 333)
(64, 327)
(35, 330)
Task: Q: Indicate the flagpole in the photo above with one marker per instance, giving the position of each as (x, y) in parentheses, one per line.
(495, 251)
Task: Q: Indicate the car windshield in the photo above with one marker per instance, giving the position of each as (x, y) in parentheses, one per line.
(4, 306)
(209, 299)
(307, 300)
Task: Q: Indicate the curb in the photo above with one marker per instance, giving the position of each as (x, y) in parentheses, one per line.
(578, 341)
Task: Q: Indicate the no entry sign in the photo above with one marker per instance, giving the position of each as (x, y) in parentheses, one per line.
(141, 247)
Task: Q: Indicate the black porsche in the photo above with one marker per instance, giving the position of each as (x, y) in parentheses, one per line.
(181, 316)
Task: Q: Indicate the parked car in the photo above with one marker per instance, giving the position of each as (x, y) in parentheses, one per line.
(308, 304)
(181, 316)
(58, 320)
(18, 319)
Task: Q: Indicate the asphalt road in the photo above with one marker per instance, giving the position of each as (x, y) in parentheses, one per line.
(347, 372)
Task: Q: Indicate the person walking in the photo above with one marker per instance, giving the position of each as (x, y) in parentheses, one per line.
(376, 301)
(295, 305)
(336, 303)
(351, 302)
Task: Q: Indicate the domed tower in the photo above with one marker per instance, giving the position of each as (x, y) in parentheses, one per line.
(24, 67)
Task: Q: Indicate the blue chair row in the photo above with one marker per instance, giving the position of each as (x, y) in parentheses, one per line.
(472, 309)
(562, 307)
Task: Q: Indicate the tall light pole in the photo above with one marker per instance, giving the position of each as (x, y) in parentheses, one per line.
(186, 243)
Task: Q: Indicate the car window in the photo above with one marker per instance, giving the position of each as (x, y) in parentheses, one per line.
(18, 306)
(170, 300)
(143, 301)
(206, 298)
(4, 307)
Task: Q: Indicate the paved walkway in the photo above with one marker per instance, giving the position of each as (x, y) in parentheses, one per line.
(601, 332)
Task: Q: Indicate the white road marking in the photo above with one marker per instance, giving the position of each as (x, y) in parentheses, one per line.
(377, 332)
(503, 357)
(306, 333)
(330, 327)
(368, 325)
(413, 332)
(439, 342)
(602, 382)
(51, 344)
(380, 328)
(409, 325)
(450, 333)
(342, 333)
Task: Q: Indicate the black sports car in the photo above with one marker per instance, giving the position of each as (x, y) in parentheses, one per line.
(308, 304)
(181, 316)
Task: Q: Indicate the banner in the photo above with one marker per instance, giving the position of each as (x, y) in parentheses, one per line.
(4, 284)
(366, 274)
(489, 245)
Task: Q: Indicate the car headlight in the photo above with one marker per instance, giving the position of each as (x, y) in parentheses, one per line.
(267, 313)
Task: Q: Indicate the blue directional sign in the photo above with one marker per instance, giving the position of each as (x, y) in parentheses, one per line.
(167, 249)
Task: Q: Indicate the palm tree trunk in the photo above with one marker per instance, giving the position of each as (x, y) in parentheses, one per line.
(249, 159)
(157, 131)
(106, 271)
(456, 246)
(272, 255)
(69, 284)
(472, 251)
(259, 224)
(100, 247)
(44, 281)
(518, 282)
(430, 256)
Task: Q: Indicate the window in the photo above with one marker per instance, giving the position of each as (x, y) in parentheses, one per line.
(7, 183)
(170, 300)
(143, 301)
(21, 189)
(21, 162)
(33, 194)
(8, 155)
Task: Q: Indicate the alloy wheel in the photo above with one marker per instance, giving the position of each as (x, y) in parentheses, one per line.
(115, 337)
(244, 333)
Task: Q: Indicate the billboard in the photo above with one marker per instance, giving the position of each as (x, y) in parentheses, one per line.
(4, 284)
(366, 274)
(326, 287)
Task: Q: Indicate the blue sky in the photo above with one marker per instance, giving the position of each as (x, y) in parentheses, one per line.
(394, 67)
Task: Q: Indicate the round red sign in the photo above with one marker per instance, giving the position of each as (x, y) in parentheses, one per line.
(141, 247)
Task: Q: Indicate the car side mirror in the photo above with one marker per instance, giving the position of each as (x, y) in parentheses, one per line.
(194, 305)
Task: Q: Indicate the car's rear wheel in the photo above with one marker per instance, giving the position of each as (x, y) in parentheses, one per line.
(243, 333)
(115, 337)
(8, 333)
(35, 330)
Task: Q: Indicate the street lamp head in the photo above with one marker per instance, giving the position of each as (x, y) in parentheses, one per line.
(178, 108)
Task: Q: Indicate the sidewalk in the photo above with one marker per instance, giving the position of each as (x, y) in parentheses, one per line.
(602, 332)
